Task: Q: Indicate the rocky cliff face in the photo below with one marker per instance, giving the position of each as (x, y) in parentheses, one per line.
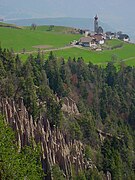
(69, 106)
(57, 148)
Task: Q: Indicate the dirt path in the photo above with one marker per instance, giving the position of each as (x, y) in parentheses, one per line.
(128, 59)
(124, 60)
(83, 48)
(47, 50)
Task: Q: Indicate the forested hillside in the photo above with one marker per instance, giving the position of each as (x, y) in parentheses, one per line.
(105, 98)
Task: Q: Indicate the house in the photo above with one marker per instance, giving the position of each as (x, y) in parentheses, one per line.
(86, 41)
(124, 37)
(92, 41)
(93, 44)
(87, 33)
(99, 39)
(110, 35)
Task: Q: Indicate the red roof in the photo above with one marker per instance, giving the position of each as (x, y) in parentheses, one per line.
(98, 37)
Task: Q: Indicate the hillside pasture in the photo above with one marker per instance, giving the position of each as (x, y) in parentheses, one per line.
(19, 39)
(124, 53)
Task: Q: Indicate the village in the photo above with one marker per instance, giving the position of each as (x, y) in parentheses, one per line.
(96, 39)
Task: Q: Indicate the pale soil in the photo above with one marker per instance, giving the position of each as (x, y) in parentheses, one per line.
(45, 50)
(42, 46)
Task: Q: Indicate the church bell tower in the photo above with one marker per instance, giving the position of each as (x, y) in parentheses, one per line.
(96, 24)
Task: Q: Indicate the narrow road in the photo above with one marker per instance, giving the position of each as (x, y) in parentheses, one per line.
(123, 60)
(128, 59)
(83, 48)
(47, 50)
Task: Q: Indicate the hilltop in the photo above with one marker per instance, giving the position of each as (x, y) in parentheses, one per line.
(2, 24)
(83, 23)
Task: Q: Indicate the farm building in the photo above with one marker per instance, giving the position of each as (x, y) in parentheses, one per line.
(92, 41)
(86, 41)
(99, 39)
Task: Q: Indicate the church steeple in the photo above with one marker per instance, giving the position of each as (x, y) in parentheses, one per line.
(96, 23)
(96, 17)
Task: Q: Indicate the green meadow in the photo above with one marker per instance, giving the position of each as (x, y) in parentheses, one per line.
(125, 53)
(18, 39)
(130, 62)
(114, 42)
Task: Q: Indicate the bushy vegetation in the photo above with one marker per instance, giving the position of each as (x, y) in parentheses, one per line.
(17, 165)
(105, 99)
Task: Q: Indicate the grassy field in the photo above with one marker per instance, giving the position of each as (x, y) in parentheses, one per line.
(26, 38)
(114, 42)
(126, 53)
(130, 62)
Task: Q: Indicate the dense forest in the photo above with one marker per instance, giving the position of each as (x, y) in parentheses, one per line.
(105, 98)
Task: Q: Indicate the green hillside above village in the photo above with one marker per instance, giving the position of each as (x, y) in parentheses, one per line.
(18, 39)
